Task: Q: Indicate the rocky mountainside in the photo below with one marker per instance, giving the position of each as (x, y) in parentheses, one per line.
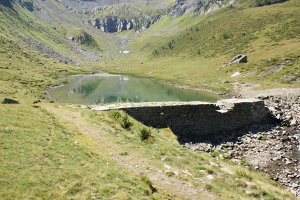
(120, 15)
(117, 16)
(199, 7)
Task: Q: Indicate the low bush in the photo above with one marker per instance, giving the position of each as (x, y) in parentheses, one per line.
(125, 122)
(145, 134)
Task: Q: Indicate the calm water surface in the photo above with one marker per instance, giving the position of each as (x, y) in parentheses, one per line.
(105, 88)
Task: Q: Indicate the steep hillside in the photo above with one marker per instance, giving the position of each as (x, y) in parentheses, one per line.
(45, 26)
(190, 50)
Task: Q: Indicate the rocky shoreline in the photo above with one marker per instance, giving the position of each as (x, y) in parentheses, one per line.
(269, 148)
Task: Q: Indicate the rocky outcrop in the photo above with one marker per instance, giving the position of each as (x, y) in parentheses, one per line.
(200, 7)
(116, 24)
(114, 20)
(274, 150)
(238, 59)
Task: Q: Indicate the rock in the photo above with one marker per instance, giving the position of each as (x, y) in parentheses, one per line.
(288, 117)
(9, 101)
(293, 122)
(238, 59)
(116, 24)
(235, 74)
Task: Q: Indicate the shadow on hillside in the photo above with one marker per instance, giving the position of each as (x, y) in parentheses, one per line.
(6, 3)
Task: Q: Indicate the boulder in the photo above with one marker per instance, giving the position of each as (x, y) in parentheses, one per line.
(9, 101)
(238, 59)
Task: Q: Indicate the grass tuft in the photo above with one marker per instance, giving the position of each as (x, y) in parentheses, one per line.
(125, 122)
(145, 134)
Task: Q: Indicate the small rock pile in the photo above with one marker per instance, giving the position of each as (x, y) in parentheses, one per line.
(270, 148)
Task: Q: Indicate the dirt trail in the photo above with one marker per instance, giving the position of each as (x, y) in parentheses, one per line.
(248, 91)
(131, 162)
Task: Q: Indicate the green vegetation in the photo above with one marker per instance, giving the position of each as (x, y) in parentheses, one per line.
(51, 162)
(145, 134)
(191, 50)
(184, 166)
(82, 37)
(57, 151)
(125, 122)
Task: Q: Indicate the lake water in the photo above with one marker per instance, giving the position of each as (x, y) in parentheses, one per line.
(106, 88)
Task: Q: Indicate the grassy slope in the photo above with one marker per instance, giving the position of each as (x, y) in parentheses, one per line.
(163, 149)
(24, 74)
(50, 162)
(190, 50)
(50, 153)
(18, 24)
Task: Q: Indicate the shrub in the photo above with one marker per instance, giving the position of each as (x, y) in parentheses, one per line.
(145, 134)
(155, 53)
(208, 187)
(125, 122)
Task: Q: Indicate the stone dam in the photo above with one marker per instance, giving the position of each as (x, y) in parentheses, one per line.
(194, 119)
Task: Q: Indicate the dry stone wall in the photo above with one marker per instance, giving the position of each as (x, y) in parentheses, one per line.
(202, 119)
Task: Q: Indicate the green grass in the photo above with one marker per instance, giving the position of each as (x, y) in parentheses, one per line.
(41, 159)
(190, 50)
(53, 151)
(165, 150)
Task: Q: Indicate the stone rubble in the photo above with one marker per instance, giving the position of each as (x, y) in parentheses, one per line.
(272, 149)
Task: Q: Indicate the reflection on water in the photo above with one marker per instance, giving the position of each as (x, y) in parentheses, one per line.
(88, 89)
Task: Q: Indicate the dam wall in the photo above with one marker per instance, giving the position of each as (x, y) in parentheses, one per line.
(194, 119)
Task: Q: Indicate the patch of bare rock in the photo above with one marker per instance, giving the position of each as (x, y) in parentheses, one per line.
(270, 148)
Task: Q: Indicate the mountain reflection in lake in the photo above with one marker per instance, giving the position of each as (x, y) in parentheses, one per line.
(98, 89)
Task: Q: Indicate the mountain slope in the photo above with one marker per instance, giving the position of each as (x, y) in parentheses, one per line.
(59, 151)
(191, 49)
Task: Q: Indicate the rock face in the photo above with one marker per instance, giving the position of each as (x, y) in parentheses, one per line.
(200, 7)
(116, 24)
(117, 19)
(238, 59)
